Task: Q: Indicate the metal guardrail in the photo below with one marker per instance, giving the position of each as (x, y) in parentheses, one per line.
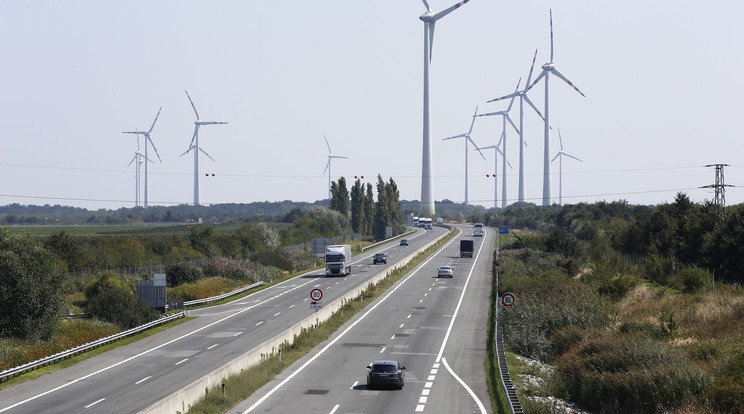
(222, 296)
(387, 240)
(9, 373)
(506, 382)
(511, 392)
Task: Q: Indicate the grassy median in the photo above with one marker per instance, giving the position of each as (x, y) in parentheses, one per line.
(239, 387)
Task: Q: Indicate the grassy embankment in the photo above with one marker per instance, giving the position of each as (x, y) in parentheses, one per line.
(617, 342)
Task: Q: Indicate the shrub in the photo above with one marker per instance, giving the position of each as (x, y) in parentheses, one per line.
(182, 273)
(692, 279)
(237, 269)
(120, 306)
(614, 374)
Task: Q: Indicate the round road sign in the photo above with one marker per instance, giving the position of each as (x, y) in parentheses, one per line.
(316, 294)
(507, 299)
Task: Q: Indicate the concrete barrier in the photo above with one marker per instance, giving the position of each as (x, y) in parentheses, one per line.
(181, 400)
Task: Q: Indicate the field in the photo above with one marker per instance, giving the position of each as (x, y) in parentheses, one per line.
(43, 230)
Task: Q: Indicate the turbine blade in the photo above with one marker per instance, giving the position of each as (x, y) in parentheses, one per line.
(501, 138)
(556, 156)
(511, 95)
(338, 156)
(537, 79)
(509, 164)
(534, 107)
(153, 147)
(456, 136)
(186, 152)
(560, 139)
(205, 153)
(571, 156)
(492, 113)
(153, 122)
(448, 10)
(551, 35)
(508, 118)
(193, 137)
(192, 104)
(328, 164)
(327, 145)
(130, 162)
(473, 121)
(489, 147)
(476, 146)
(531, 67)
(555, 72)
(427, 5)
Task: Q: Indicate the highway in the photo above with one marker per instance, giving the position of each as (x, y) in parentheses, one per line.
(435, 327)
(133, 377)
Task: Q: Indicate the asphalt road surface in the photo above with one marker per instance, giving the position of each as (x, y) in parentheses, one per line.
(133, 377)
(435, 327)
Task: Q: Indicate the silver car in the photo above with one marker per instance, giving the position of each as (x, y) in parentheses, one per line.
(445, 271)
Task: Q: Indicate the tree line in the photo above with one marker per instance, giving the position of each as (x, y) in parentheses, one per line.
(367, 217)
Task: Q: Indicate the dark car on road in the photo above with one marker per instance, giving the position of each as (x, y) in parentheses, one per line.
(404, 242)
(379, 258)
(382, 373)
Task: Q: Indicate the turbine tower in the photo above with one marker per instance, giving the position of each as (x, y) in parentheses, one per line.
(560, 156)
(496, 153)
(467, 138)
(138, 158)
(547, 69)
(328, 165)
(427, 179)
(146, 134)
(504, 117)
(196, 148)
(522, 95)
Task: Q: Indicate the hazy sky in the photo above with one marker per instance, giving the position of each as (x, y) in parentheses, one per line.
(662, 97)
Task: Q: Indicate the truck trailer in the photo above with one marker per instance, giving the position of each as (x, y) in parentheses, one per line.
(338, 260)
(466, 248)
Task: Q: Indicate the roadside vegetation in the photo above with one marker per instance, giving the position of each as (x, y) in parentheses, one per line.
(642, 331)
(40, 286)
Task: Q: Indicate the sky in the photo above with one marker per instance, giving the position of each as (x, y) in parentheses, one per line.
(662, 98)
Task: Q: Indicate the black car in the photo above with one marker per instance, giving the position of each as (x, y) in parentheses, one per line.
(404, 242)
(385, 373)
(379, 258)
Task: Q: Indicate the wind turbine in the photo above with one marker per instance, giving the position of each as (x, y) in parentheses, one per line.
(560, 155)
(328, 165)
(138, 158)
(496, 153)
(522, 95)
(427, 180)
(146, 134)
(505, 117)
(196, 148)
(547, 69)
(468, 138)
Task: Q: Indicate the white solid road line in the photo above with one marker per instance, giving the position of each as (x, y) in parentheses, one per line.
(342, 334)
(92, 404)
(470, 391)
(143, 380)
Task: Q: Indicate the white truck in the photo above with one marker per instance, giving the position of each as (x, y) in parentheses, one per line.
(478, 230)
(338, 260)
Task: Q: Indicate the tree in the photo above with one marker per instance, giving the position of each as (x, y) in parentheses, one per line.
(66, 248)
(340, 197)
(382, 214)
(369, 210)
(31, 288)
(357, 208)
(119, 305)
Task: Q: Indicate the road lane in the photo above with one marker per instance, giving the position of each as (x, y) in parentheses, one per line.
(410, 324)
(112, 382)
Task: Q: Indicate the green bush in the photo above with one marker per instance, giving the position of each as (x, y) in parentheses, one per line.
(692, 279)
(182, 273)
(120, 306)
(237, 269)
(727, 391)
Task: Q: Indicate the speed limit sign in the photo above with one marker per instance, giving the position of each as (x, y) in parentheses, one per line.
(316, 294)
(507, 299)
